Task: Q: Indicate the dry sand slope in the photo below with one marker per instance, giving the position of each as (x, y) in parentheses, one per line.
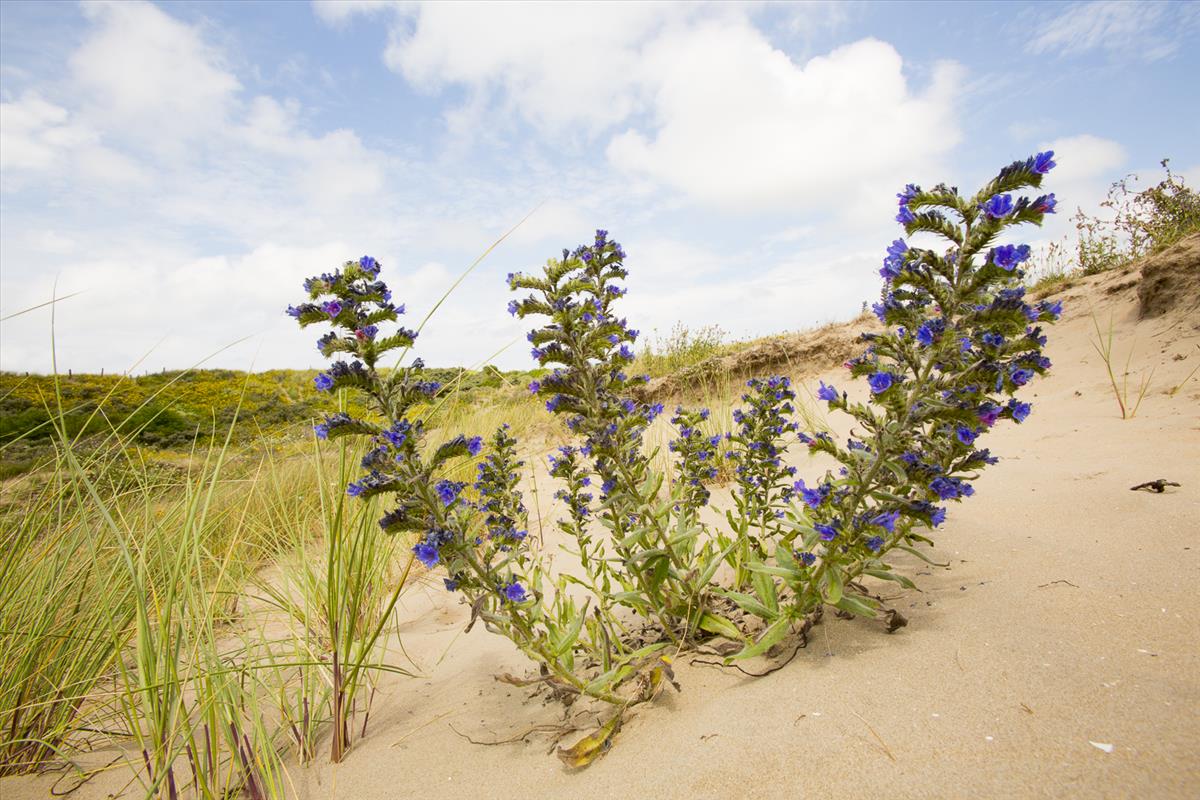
(1068, 615)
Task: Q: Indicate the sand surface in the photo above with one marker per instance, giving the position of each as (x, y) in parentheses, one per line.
(1068, 617)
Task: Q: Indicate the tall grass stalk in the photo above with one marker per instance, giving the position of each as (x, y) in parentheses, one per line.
(1103, 345)
(340, 607)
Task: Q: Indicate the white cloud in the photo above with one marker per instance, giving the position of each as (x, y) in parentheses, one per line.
(739, 125)
(673, 281)
(336, 12)
(556, 64)
(152, 72)
(1085, 157)
(1144, 30)
(713, 109)
(39, 136)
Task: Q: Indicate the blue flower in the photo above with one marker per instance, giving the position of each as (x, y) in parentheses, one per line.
(1020, 411)
(1008, 256)
(827, 393)
(938, 516)
(323, 382)
(893, 265)
(988, 414)
(447, 491)
(813, 497)
(875, 543)
(828, 531)
(950, 488)
(905, 216)
(474, 445)
(368, 264)
(514, 592)
(427, 554)
(965, 435)
(992, 339)
(450, 583)
(1020, 377)
(333, 308)
(294, 312)
(886, 520)
(806, 558)
(513, 306)
(1045, 204)
(924, 335)
(535, 387)
(1044, 162)
(998, 206)
(880, 382)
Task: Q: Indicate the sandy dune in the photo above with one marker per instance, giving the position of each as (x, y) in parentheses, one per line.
(1066, 625)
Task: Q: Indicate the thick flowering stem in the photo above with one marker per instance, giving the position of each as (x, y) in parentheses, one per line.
(590, 347)
(960, 338)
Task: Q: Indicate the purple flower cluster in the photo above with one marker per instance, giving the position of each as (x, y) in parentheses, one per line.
(499, 496)
(905, 215)
(962, 339)
(429, 550)
(764, 482)
(696, 457)
(894, 263)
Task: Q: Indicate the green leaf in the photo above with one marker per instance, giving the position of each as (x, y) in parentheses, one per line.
(909, 549)
(714, 623)
(634, 599)
(784, 558)
(647, 555)
(834, 593)
(648, 650)
(859, 606)
(749, 604)
(765, 588)
(772, 636)
(888, 575)
(711, 569)
(609, 680)
(572, 633)
(766, 569)
(683, 536)
(632, 539)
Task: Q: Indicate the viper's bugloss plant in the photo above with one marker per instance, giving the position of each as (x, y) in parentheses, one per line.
(477, 533)
(960, 342)
(764, 482)
(652, 551)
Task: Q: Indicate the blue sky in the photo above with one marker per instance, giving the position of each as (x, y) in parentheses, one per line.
(183, 166)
